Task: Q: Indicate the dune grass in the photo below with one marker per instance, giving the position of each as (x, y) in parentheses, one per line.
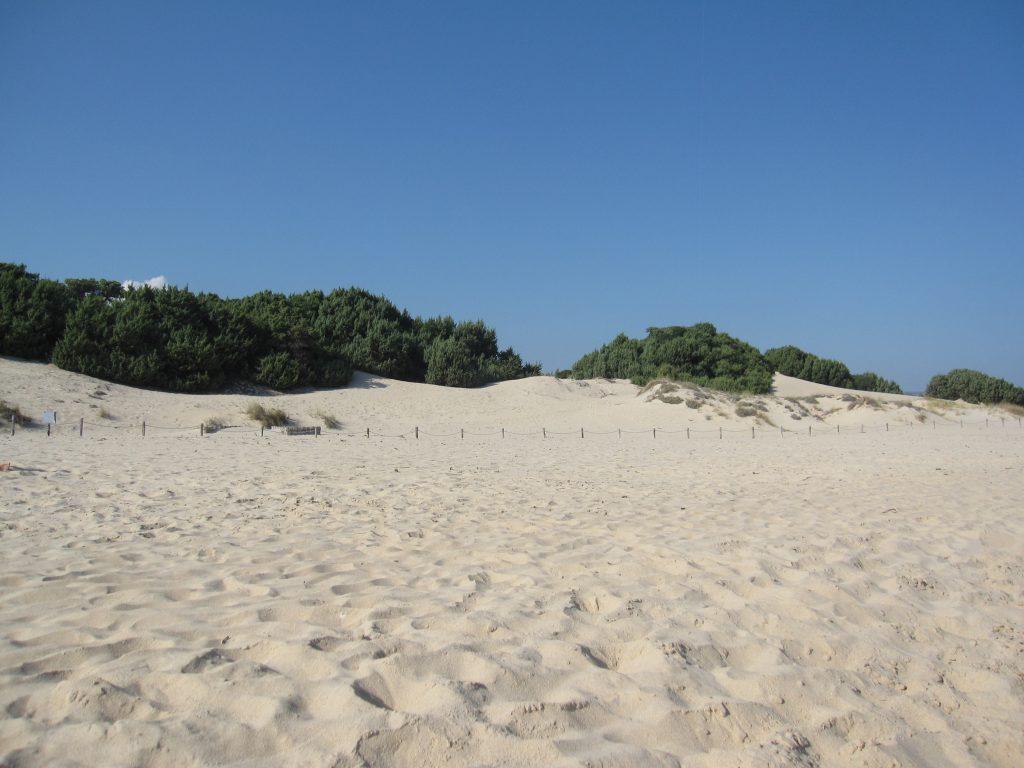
(8, 410)
(266, 417)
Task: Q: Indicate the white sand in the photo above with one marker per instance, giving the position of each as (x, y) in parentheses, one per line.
(836, 599)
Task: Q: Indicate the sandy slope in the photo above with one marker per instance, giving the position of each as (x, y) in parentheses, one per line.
(836, 599)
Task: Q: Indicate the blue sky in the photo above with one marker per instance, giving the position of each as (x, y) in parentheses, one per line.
(846, 177)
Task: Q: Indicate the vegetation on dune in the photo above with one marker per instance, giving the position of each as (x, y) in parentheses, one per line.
(697, 353)
(266, 417)
(701, 354)
(177, 340)
(10, 411)
(974, 387)
(793, 361)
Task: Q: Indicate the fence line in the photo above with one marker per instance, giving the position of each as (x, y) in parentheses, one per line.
(820, 429)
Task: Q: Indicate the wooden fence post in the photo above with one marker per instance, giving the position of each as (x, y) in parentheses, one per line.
(620, 433)
(261, 430)
(367, 433)
(81, 426)
(47, 430)
(719, 433)
(543, 432)
(751, 433)
(502, 433)
(654, 433)
(581, 433)
(417, 433)
(12, 425)
(687, 433)
(463, 433)
(143, 428)
(202, 429)
(808, 430)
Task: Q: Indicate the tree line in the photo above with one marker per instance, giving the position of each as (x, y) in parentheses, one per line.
(705, 356)
(182, 341)
(793, 361)
(177, 340)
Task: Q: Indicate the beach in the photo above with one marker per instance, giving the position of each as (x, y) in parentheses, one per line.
(780, 593)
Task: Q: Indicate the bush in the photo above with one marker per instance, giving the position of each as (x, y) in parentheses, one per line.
(176, 340)
(698, 354)
(214, 425)
(793, 361)
(266, 417)
(278, 370)
(32, 313)
(451, 363)
(974, 387)
(872, 382)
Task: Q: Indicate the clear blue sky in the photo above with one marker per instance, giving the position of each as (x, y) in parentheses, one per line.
(846, 177)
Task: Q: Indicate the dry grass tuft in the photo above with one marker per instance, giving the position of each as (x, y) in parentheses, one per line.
(8, 410)
(328, 419)
(266, 417)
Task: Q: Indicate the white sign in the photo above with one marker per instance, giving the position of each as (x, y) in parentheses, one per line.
(49, 417)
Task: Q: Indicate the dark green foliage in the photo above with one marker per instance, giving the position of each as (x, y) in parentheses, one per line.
(278, 370)
(32, 312)
(697, 353)
(793, 361)
(177, 340)
(467, 355)
(872, 382)
(974, 387)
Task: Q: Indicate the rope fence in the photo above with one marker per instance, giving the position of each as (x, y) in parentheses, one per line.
(145, 429)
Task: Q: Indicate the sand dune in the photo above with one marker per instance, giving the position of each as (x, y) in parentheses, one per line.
(850, 599)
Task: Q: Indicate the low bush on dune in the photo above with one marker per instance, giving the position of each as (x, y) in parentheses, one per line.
(974, 387)
(266, 417)
(793, 361)
(697, 353)
(214, 425)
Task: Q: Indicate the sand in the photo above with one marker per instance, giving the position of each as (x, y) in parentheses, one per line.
(835, 599)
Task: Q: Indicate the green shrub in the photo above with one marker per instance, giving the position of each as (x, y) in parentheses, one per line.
(32, 313)
(974, 387)
(698, 354)
(278, 370)
(793, 361)
(176, 340)
(872, 382)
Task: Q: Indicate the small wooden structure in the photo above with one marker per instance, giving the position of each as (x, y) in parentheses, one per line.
(314, 431)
